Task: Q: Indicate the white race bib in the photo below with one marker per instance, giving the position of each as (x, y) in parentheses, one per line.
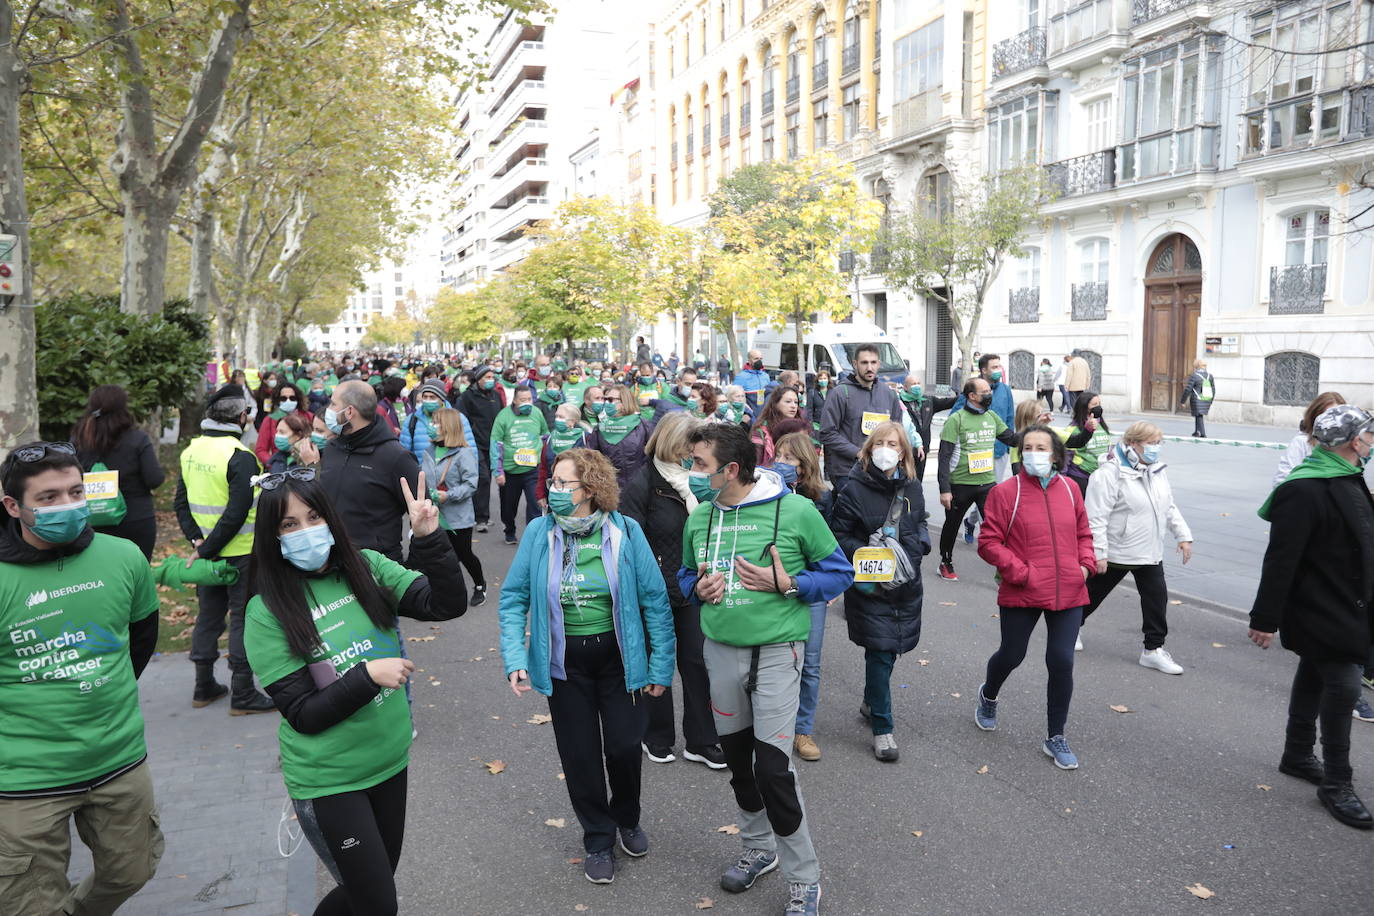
(101, 485)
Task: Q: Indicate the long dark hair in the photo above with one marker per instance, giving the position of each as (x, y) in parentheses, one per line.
(1060, 454)
(106, 418)
(1080, 411)
(771, 412)
(284, 589)
(275, 398)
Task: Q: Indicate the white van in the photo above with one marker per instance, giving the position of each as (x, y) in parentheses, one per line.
(835, 344)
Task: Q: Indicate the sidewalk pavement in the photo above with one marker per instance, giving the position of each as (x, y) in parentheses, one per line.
(220, 793)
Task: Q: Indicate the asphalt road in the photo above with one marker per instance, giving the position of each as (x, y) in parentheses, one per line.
(1182, 790)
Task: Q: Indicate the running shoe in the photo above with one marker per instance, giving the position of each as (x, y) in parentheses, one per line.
(947, 572)
(634, 842)
(1368, 682)
(658, 753)
(479, 595)
(968, 533)
(885, 747)
(1363, 711)
(1078, 643)
(1058, 748)
(985, 713)
(481, 527)
(1160, 660)
(709, 754)
(752, 864)
(806, 898)
(599, 867)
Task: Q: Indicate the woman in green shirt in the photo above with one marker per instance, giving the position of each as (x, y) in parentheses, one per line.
(321, 634)
(1089, 437)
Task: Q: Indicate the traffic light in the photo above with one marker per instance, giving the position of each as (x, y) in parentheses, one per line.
(11, 266)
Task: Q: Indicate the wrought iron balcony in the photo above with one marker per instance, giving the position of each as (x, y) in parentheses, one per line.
(1083, 174)
(766, 101)
(1297, 289)
(849, 60)
(1024, 305)
(744, 112)
(691, 145)
(705, 135)
(820, 75)
(1089, 302)
(877, 259)
(847, 262)
(793, 89)
(1145, 10)
(1020, 52)
(725, 127)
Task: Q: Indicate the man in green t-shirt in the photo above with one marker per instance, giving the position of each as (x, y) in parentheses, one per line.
(755, 556)
(517, 439)
(967, 469)
(79, 615)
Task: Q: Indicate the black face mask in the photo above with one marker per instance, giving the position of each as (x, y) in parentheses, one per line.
(756, 364)
(1096, 412)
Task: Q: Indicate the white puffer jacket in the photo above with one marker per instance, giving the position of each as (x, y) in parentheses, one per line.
(1130, 508)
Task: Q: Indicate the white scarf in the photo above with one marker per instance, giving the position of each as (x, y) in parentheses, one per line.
(676, 475)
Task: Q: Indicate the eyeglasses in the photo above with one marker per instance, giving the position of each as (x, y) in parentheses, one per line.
(567, 485)
(272, 481)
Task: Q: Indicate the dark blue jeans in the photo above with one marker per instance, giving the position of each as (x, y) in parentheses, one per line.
(878, 689)
(1062, 631)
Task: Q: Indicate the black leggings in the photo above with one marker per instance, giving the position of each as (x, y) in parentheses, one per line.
(962, 496)
(358, 835)
(1062, 631)
(462, 546)
(1154, 598)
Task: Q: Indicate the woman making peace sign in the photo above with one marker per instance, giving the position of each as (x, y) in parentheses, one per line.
(321, 634)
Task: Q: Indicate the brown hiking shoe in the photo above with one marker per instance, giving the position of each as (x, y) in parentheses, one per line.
(806, 747)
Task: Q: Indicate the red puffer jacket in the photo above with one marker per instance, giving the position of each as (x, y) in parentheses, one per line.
(1038, 538)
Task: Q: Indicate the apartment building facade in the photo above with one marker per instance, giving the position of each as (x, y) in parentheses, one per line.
(381, 293)
(1212, 163)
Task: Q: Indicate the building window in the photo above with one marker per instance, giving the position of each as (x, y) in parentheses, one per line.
(793, 135)
(1097, 121)
(820, 123)
(1088, 297)
(1169, 104)
(691, 135)
(1299, 286)
(705, 129)
(744, 112)
(1094, 260)
(850, 54)
(920, 60)
(1291, 378)
(820, 56)
(672, 60)
(767, 136)
(722, 20)
(793, 68)
(1306, 237)
(1021, 370)
(933, 194)
(1028, 269)
(852, 111)
(400, 291)
(1022, 130)
(1301, 58)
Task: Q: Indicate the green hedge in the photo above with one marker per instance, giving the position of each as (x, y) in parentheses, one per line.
(85, 340)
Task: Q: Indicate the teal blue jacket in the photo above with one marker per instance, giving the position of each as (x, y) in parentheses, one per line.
(639, 606)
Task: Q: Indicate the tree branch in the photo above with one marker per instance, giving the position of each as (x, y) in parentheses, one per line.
(203, 109)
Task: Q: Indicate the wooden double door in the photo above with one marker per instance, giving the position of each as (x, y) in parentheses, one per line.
(1173, 303)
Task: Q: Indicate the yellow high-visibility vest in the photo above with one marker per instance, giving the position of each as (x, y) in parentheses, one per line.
(204, 467)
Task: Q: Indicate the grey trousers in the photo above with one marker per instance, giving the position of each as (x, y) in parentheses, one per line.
(755, 709)
(218, 602)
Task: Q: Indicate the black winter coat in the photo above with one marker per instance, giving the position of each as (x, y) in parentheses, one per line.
(662, 513)
(884, 620)
(481, 407)
(361, 471)
(1317, 584)
(1192, 393)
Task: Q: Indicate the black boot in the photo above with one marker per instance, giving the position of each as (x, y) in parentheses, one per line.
(1345, 806)
(1308, 767)
(246, 698)
(208, 690)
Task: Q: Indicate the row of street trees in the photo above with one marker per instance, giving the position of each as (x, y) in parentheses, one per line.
(768, 254)
(250, 155)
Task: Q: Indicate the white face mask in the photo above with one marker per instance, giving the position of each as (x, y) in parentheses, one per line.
(886, 458)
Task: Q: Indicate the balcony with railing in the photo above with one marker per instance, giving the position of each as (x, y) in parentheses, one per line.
(1088, 302)
(521, 212)
(1146, 10)
(673, 147)
(705, 137)
(744, 113)
(849, 60)
(917, 114)
(1083, 174)
(527, 129)
(766, 102)
(1081, 33)
(1019, 53)
(1297, 289)
(1023, 305)
(1308, 121)
(847, 262)
(725, 128)
(691, 146)
(524, 94)
(878, 259)
(522, 54)
(820, 75)
(793, 89)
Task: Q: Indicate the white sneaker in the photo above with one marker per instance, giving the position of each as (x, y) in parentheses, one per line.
(1160, 660)
(1078, 645)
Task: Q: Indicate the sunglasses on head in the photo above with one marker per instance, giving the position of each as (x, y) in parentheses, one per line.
(39, 451)
(272, 481)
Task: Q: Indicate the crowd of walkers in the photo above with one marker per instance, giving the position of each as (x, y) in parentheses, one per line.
(674, 520)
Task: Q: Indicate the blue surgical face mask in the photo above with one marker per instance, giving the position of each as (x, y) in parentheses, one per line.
(561, 502)
(788, 473)
(560, 424)
(288, 405)
(429, 406)
(699, 482)
(1038, 464)
(282, 443)
(523, 409)
(307, 549)
(1150, 454)
(331, 420)
(320, 439)
(60, 524)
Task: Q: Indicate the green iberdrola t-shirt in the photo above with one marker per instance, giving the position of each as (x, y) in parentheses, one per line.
(586, 599)
(67, 688)
(975, 434)
(520, 438)
(750, 618)
(373, 744)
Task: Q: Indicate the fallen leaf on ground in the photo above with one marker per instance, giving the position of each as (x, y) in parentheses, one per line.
(949, 604)
(993, 616)
(497, 718)
(918, 833)
(555, 822)
(730, 829)
(1218, 645)
(1263, 788)
(982, 770)
(574, 861)
(495, 766)
(1117, 707)
(561, 776)
(238, 745)
(705, 903)
(1200, 892)
(539, 718)
(419, 639)
(1226, 515)
(581, 908)
(1174, 601)
(956, 695)
(923, 662)
(434, 683)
